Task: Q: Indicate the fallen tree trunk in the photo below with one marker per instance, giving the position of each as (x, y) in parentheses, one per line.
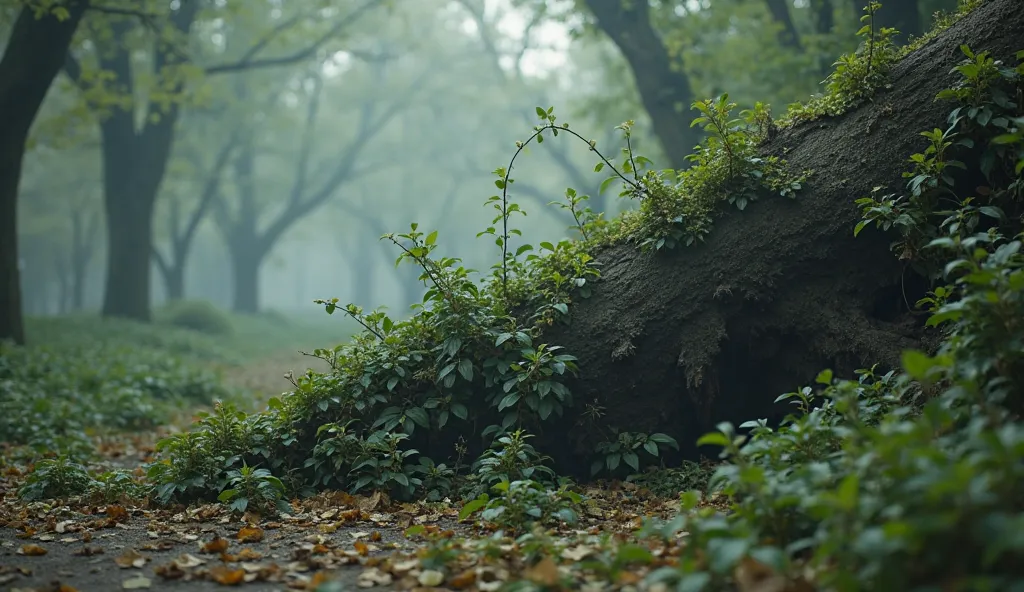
(676, 342)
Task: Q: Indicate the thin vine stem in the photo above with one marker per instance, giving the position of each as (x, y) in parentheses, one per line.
(508, 172)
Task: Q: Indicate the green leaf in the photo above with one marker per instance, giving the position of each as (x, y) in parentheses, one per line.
(713, 439)
(917, 364)
(664, 439)
(724, 553)
(508, 401)
(634, 554)
(418, 415)
(631, 459)
(824, 377)
(466, 369)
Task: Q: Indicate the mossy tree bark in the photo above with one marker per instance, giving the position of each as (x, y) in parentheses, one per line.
(676, 342)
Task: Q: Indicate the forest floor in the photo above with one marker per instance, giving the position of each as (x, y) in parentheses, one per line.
(332, 541)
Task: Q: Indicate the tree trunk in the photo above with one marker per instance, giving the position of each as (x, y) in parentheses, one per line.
(34, 55)
(245, 266)
(83, 237)
(129, 215)
(664, 88)
(79, 272)
(134, 162)
(676, 342)
(63, 285)
(903, 15)
(174, 281)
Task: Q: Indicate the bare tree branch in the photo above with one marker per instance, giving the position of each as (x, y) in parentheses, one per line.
(249, 61)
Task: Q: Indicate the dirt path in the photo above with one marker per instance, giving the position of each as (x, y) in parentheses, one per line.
(204, 548)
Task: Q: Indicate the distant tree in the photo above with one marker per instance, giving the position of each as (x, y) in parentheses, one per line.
(136, 156)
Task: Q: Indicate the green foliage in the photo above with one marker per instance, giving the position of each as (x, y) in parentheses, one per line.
(985, 123)
(626, 449)
(254, 489)
(58, 477)
(54, 400)
(520, 504)
(198, 315)
(62, 477)
(669, 482)
(118, 486)
(511, 458)
(727, 169)
(900, 481)
(857, 76)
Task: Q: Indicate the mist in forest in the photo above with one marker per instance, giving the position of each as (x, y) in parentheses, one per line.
(252, 154)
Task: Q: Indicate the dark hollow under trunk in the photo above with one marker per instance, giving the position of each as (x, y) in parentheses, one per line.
(676, 342)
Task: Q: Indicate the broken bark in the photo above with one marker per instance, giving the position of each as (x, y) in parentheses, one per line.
(676, 342)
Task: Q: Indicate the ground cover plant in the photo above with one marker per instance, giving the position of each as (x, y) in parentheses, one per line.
(904, 479)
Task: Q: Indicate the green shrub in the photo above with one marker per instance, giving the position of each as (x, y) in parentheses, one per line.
(197, 315)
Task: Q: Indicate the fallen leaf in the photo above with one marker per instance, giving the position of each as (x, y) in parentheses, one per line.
(226, 576)
(373, 577)
(545, 573)
(117, 513)
(32, 550)
(137, 583)
(130, 558)
(430, 578)
(463, 580)
(247, 554)
(217, 545)
(186, 560)
(361, 548)
(250, 534)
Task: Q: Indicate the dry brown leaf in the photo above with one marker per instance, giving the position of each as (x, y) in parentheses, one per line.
(463, 580)
(368, 504)
(32, 550)
(247, 554)
(753, 576)
(545, 573)
(130, 558)
(169, 571)
(227, 576)
(87, 551)
(250, 534)
(117, 513)
(361, 548)
(217, 545)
